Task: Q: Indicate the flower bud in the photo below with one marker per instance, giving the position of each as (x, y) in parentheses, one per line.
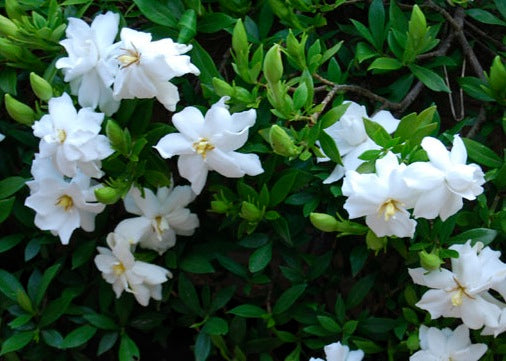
(282, 143)
(273, 65)
(324, 222)
(18, 111)
(7, 27)
(429, 261)
(116, 136)
(374, 242)
(412, 342)
(10, 51)
(250, 212)
(41, 87)
(220, 206)
(107, 195)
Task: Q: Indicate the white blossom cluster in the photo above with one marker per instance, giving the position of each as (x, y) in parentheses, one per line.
(338, 352)
(101, 72)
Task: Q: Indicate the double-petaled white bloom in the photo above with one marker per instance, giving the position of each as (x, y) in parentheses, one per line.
(147, 66)
(208, 143)
(445, 180)
(381, 197)
(90, 66)
(2, 137)
(337, 352)
(161, 216)
(463, 291)
(351, 138)
(119, 268)
(447, 345)
(71, 138)
(61, 206)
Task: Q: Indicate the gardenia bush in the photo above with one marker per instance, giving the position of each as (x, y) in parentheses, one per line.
(240, 180)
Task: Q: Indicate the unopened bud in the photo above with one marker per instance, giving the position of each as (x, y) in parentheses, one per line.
(7, 27)
(324, 222)
(282, 143)
(41, 87)
(429, 261)
(374, 242)
(107, 195)
(116, 136)
(250, 212)
(412, 342)
(18, 111)
(220, 206)
(10, 51)
(273, 65)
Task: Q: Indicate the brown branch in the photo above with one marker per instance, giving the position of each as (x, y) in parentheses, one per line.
(331, 94)
(480, 118)
(484, 35)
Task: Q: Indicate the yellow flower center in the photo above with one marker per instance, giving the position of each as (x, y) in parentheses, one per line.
(118, 269)
(131, 56)
(202, 146)
(389, 208)
(62, 135)
(65, 202)
(458, 297)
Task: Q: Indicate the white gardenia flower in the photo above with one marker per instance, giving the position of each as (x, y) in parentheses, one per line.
(208, 143)
(463, 291)
(381, 197)
(61, 206)
(445, 180)
(119, 268)
(161, 216)
(2, 137)
(351, 138)
(337, 352)
(447, 345)
(71, 138)
(147, 66)
(90, 66)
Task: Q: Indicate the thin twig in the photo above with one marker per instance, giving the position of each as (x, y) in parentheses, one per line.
(331, 94)
(484, 35)
(480, 118)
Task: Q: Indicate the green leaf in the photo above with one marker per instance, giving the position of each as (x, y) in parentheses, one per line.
(282, 187)
(248, 311)
(362, 29)
(215, 326)
(358, 256)
(482, 154)
(221, 298)
(483, 235)
(485, 17)
(213, 22)
(329, 324)
(300, 96)
(107, 342)
(202, 60)
(333, 115)
(157, 11)
(188, 294)
(10, 241)
(376, 17)
(232, 266)
(16, 342)
(83, 253)
(10, 286)
(287, 298)
(385, 63)
(377, 133)
(410, 316)
(20, 320)
(101, 321)
(6, 208)
(78, 337)
(359, 290)
(128, 350)
(349, 327)
(196, 263)
(260, 258)
(474, 88)
(429, 78)
(202, 347)
(47, 277)
(11, 185)
(367, 346)
(364, 52)
(52, 338)
(329, 147)
(56, 308)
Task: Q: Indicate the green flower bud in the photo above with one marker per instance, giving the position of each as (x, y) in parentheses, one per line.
(220, 206)
(10, 51)
(7, 27)
(430, 261)
(18, 111)
(324, 222)
(412, 342)
(282, 143)
(273, 65)
(250, 212)
(374, 242)
(240, 39)
(221, 87)
(107, 195)
(41, 87)
(116, 136)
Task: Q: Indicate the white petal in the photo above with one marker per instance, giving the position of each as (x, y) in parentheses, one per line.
(224, 163)
(249, 163)
(458, 154)
(189, 122)
(167, 94)
(441, 278)
(336, 174)
(193, 168)
(423, 176)
(174, 144)
(105, 28)
(437, 303)
(437, 152)
(386, 120)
